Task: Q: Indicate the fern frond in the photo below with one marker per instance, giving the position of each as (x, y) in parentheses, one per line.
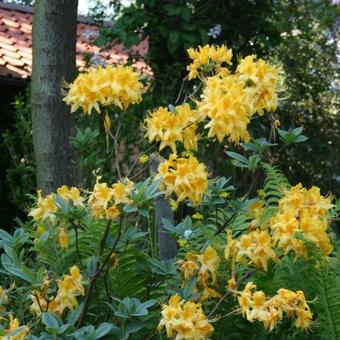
(274, 185)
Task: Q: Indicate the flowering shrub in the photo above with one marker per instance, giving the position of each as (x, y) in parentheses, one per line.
(87, 264)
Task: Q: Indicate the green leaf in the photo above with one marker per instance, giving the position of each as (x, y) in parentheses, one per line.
(239, 160)
(104, 328)
(134, 327)
(50, 321)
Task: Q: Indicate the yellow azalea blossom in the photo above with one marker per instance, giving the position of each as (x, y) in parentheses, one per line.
(69, 287)
(46, 208)
(225, 104)
(14, 324)
(112, 212)
(185, 177)
(118, 85)
(99, 199)
(63, 238)
(209, 261)
(72, 194)
(232, 284)
(188, 269)
(168, 127)
(263, 80)
(121, 191)
(257, 246)
(185, 320)
(304, 211)
(256, 209)
(208, 57)
(255, 306)
(209, 293)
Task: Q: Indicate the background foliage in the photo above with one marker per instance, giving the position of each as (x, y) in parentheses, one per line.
(300, 36)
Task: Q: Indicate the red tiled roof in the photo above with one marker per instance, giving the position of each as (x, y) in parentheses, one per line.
(16, 43)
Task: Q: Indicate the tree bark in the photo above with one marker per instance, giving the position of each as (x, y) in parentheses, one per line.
(167, 243)
(54, 60)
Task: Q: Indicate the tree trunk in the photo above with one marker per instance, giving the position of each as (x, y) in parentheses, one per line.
(54, 60)
(167, 243)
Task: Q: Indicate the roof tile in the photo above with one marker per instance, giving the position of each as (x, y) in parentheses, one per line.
(16, 43)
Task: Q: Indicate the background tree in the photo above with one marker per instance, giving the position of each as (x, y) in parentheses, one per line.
(299, 35)
(54, 52)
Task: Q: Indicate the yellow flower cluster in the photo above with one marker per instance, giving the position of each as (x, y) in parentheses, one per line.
(104, 86)
(205, 265)
(185, 320)
(168, 127)
(68, 288)
(185, 177)
(207, 59)
(256, 247)
(262, 79)
(230, 100)
(256, 307)
(46, 206)
(226, 103)
(304, 211)
(72, 195)
(13, 328)
(104, 199)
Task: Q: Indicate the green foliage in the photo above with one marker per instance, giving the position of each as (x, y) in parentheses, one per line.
(17, 139)
(274, 185)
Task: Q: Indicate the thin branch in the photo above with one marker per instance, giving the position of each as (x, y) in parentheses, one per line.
(94, 276)
(245, 276)
(137, 158)
(115, 142)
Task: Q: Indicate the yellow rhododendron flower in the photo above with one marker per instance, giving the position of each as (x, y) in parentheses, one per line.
(225, 103)
(209, 293)
(69, 287)
(209, 261)
(208, 58)
(14, 324)
(118, 85)
(72, 194)
(256, 306)
(305, 211)
(188, 269)
(169, 127)
(112, 212)
(185, 320)
(63, 238)
(100, 198)
(257, 246)
(46, 208)
(185, 177)
(262, 79)
(121, 191)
